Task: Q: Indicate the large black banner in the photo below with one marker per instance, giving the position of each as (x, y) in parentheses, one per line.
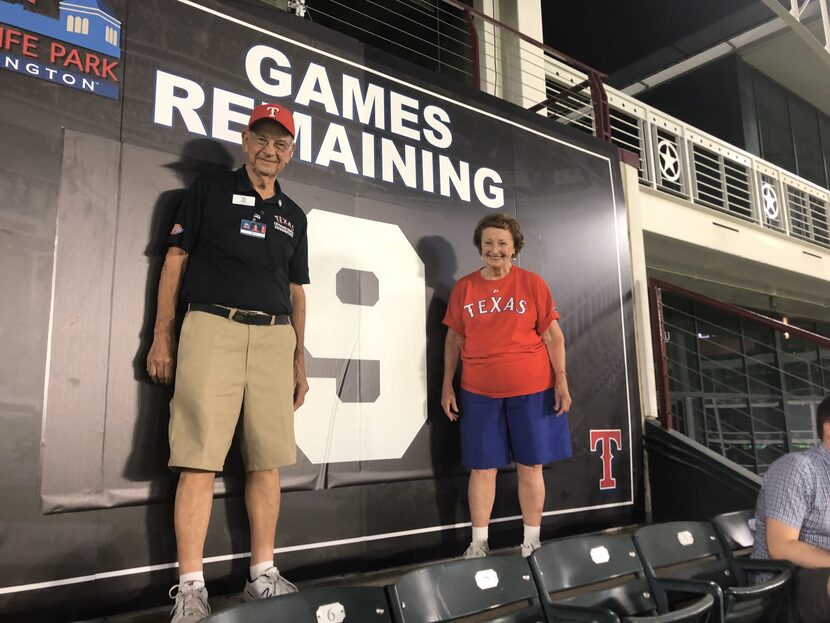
(393, 169)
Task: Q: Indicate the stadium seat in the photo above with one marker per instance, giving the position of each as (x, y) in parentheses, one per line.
(462, 588)
(736, 531)
(335, 604)
(692, 551)
(601, 578)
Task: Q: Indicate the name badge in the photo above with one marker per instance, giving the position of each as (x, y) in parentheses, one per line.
(244, 200)
(254, 229)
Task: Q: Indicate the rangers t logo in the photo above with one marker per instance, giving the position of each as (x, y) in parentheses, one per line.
(601, 439)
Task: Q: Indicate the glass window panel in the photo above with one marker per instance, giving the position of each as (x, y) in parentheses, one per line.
(770, 424)
(712, 425)
(807, 141)
(721, 352)
(800, 363)
(802, 423)
(774, 123)
(688, 417)
(824, 356)
(761, 359)
(825, 142)
(730, 428)
(684, 375)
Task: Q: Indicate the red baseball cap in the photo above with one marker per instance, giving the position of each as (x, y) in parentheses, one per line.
(274, 112)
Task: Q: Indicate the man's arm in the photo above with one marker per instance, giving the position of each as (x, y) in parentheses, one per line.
(783, 544)
(554, 341)
(161, 360)
(298, 322)
(452, 354)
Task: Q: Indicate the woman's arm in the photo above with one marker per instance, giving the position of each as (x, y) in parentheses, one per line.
(452, 355)
(554, 341)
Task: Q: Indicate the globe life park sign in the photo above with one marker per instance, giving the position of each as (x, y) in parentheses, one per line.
(79, 49)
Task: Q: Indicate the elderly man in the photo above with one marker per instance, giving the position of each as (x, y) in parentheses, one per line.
(244, 245)
(792, 519)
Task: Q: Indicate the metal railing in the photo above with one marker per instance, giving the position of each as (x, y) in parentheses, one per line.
(680, 160)
(743, 384)
(674, 158)
(460, 42)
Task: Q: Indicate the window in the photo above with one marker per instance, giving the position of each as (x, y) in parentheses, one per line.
(739, 387)
(774, 124)
(825, 141)
(807, 139)
(85, 26)
(70, 23)
(793, 134)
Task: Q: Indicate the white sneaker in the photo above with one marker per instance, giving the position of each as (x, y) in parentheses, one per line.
(191, 603)
(269, 584)
(529, 548)
(477, 549)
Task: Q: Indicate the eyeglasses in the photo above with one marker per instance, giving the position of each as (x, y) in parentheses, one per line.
(281, 145)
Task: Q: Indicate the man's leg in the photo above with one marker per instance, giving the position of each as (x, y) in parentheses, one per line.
(262, 498)
(532, 503)
(191, 515)
(267, 443)
(194, 498)
(203, 415)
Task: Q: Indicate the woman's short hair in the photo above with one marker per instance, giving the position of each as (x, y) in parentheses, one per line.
(500, 221)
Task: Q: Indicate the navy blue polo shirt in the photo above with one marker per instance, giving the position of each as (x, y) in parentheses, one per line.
(242, 251)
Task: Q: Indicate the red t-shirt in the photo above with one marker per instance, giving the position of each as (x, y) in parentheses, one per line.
(502, 321)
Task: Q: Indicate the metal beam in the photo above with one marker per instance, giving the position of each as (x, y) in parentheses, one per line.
(793, 21)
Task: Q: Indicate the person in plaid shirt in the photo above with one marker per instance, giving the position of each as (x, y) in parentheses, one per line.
(792, 519)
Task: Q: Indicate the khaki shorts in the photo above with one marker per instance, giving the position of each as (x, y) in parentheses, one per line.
(225, 367)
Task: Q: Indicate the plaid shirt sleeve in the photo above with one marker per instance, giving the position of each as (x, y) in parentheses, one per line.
(789, 492)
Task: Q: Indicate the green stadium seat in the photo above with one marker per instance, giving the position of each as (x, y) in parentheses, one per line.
(499, 585)
(601, 578)
(692, 551)
(334, 604)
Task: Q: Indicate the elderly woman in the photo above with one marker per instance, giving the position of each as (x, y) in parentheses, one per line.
(502, 325)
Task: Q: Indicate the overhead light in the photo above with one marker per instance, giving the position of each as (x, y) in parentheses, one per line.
(786, 320)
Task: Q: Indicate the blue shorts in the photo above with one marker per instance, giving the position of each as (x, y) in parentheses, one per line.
(525, 429)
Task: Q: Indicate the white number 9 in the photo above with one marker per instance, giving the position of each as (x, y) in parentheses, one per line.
(390, 330)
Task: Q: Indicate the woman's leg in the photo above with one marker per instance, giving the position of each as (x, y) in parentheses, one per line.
(532, 502)
(481, 493)
(531, 493)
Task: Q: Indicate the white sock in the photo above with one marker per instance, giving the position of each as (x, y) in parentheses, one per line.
(531, 534)
(195, 578)
(260, 568)
(480, 534)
